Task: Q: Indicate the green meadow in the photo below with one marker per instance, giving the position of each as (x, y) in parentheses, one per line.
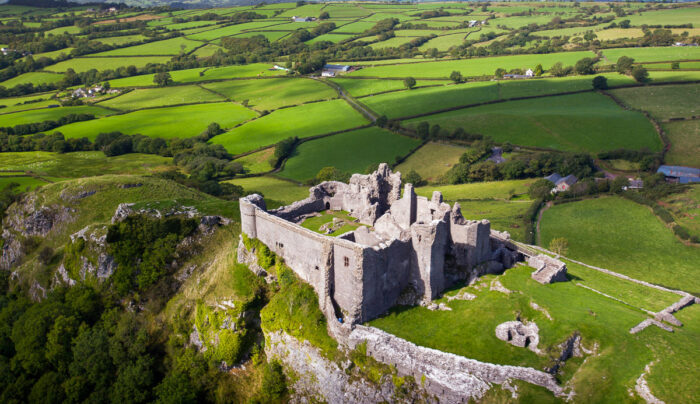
(273, 189)
(658, 54)
(663, 102)
(685, 143)
(328, 116)
(273, 93)
(161, 97)
(364, 87)
(625, 237)
(35, 78)
(472, 67)
(202, 74)
(432, 160)
(169, 122)
(23, 183)
(479, 190)
(48, 114)
(172, 46)
(312, 156)
(82, 164)
(579, 122)
(84, 64)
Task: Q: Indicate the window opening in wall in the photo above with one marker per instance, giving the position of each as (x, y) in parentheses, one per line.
(328, 205)
(346, 261)
(316, 267)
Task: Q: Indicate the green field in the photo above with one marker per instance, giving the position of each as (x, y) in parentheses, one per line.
(420, 101)
(660, 54)
(35, 78)
(53, 54)
(579, 122)
(24, 183)
(364, 87)
(677, 16)
(472, 67)
(193, 75)
(121, 40)
(432, 160)
(161, 97)
(479, 190)
(273, 93)
(207, 50)
(48, 114)
(84, 64)
(663, 102)
(258, 162)
(172, 46)
(168, 122)
(82, 164)
(273, 189)
(329, 116)
(685, 143)
(230, 30)
(623, 236)
(347, 152)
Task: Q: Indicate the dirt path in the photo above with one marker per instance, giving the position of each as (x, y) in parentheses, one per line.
(539, 219)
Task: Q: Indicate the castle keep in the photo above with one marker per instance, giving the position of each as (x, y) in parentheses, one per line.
(410, 250)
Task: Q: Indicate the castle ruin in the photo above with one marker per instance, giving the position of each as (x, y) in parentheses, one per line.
(410, 249)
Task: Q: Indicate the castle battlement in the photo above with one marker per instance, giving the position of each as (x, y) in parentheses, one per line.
(410, 249)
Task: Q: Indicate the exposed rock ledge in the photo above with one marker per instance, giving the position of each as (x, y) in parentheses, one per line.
(452, 378)
(321, 380)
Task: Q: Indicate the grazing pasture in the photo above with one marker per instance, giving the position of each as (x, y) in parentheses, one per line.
(169, 122)
(24, 183)
(48, 114)
(84, 64)
(161, 97)
(685, 208)
(121, 40)
(173, 46)
(258, 162)
(479, 190)
(35, 78)
(625, 237)
(663, 102)
(364, 87)
(328, 116)
(652, 54)
(351, 152)
(274, 189)
(472, 67)
(230, 30)
(432, 160)
(678, 16)
(273, 93)
(685, 143)
(82, 164)
(203, 74)
(587, 122)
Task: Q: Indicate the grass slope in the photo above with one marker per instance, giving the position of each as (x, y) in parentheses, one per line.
(161, 97)
(432, 160)
(351, 152)
(273, 93)
(685, 143)
(580, 122)
(663, 102)
(620, 235)
(273, 189)
(48, 114)
(168, 122)
(302, 121)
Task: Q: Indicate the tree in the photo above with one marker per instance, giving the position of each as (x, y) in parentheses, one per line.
(382, 121)
(619, 183)
(413, 178)
(559, 245)
(538, 70)
(589, 36)
(409, 82)
(499, 73)
(675, 66)
(541, 189)
(640, 74)
(332, 174)
(585, 66)
(162, 79)
(324, 16)
(624, 64)
(456, 76)
(600, 83)
(423, 129)
(560, 71)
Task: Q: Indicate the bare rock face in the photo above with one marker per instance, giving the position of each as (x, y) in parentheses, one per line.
(524, 335)
(547, 269)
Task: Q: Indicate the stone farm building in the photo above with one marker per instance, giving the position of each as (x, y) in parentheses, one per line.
(414, 249)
